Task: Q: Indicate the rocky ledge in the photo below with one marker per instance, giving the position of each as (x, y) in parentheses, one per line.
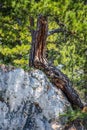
(28, 101)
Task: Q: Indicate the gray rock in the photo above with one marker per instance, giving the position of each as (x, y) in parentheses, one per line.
(28, 101)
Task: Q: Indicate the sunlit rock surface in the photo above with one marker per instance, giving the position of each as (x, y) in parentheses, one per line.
(28, 101)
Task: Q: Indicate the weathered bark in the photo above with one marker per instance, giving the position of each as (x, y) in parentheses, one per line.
(38, 60)
(39, 42)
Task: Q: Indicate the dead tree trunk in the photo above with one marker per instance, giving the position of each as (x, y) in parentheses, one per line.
(38, 60)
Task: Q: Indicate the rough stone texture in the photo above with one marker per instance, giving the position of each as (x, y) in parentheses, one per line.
(28, 101)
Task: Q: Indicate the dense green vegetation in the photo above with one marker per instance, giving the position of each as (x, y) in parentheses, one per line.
(67, 48)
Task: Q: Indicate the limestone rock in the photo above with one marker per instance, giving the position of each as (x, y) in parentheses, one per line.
(28, 101)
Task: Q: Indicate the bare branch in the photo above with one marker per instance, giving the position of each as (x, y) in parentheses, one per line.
(55, 31)
(31, 25)
(59, 30)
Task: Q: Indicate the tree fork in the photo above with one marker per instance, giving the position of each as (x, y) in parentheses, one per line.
(39, 61)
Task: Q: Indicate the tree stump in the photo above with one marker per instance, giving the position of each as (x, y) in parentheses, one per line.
(39, 61)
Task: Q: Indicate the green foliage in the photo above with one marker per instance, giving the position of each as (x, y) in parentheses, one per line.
(74, 115)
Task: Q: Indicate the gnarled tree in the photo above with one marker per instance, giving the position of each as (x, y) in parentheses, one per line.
(38, 60)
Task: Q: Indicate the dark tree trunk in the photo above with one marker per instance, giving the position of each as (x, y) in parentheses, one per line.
(38, 60)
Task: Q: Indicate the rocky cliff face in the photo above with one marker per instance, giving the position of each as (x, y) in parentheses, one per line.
(28, 101)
